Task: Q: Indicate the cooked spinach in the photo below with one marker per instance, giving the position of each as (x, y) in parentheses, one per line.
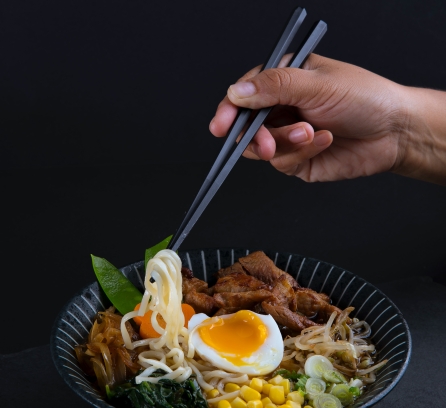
(164, 394)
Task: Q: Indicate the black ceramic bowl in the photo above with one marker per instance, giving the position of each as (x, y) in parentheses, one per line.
(390, 332)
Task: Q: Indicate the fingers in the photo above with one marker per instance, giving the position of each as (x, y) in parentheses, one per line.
(227, 110)
(224, 117)
(290, 147)
(296, 162)
(282, 86)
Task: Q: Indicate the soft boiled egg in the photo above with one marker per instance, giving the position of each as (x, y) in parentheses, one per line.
(243, 342)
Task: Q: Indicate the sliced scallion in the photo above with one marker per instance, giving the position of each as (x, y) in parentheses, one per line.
(333, 376)
(314, 386)
(316, 365)
(342, 392)
(326, 401)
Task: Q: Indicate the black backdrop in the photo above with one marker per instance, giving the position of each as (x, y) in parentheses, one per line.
(104, 141)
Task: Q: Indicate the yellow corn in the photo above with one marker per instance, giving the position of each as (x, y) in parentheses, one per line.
(295, 396)
(308, 406)
(276, 380)
(249, 394)
(231, 387)
(286, 386)
(224, 404)
(276, 394)
(266, 401)
(254, 404)
(238, 403)
(283, 406)
(270, 406)
(256, 384)
(212, 393)
(266, 388)
(293, 404)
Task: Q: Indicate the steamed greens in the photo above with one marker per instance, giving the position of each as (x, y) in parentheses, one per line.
(164, 394)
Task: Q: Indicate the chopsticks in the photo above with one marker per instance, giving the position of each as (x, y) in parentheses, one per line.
(219, 170)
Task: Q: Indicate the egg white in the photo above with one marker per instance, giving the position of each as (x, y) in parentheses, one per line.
(262, 361)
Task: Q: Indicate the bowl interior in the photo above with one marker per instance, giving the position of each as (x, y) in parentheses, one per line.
(390, 332)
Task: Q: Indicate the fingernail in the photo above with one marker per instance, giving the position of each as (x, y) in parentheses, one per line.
(243, 89)
(298, 135)
(322, 139)
(211, 122)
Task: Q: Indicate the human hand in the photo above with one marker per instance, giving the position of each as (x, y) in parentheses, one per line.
(332, 121)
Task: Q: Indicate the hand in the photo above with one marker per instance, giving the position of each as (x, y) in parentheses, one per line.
(332, 121)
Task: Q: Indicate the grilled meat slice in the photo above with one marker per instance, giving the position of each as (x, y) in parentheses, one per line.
(197, 285)
(227, 310)
(310, 303)
(186, 272)
(234, 268)
(241, 300)
(284, 294)
(284, 316)
(261, 267)
(201, 302)
(197, 293)
(239, 282)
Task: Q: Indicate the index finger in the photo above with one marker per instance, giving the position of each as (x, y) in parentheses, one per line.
(227, 111)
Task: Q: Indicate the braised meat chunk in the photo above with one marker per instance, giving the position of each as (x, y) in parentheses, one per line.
(257, 264)
(234, 268)
(197, 294)
(311, 304)
(239, 282)
(285, 317)
(241, 300)
(255, 283)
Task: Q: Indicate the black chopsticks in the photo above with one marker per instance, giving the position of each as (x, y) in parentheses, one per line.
(231, 151)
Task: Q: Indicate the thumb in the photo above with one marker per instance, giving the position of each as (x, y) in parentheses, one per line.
(278, 86)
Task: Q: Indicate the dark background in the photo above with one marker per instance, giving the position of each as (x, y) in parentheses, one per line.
(104, 141)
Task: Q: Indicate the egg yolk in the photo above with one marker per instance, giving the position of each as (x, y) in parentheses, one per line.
(236, 336)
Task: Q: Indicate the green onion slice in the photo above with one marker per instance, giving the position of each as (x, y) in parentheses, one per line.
(342, 392)
(326, 401)
(314, 386)
(333, 376)
(316, 365)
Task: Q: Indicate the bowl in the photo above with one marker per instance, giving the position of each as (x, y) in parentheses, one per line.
(390, 332)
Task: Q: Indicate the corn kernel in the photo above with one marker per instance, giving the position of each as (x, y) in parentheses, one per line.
(231, 387)
(254, 404)
(238, 403)
(295, 396)
(286, 386)
(212, 393)
(276, 380)
(256, 384)
(283, 406)
(264, 381)
(308, 406)
(249, 394)
(224, 404)
(266, 401)
(277, 395)
(292, 404)
(266, 388)
(270, 406)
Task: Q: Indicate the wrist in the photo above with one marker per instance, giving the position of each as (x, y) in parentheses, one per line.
(422, 137)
